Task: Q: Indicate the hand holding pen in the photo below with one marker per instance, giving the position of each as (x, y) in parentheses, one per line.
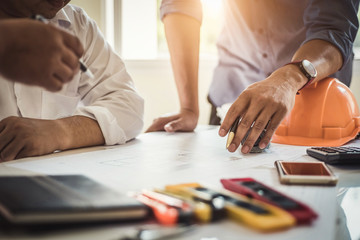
(49, 57)
(232, 132)
(83, 68)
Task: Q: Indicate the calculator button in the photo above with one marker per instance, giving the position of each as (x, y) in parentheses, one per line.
(336, 155)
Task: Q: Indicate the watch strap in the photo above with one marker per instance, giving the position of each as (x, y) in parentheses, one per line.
(310, 79)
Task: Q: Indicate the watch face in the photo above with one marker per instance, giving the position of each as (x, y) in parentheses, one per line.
(309, 68)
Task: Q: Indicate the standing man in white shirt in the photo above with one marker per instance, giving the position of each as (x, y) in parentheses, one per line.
(86, 112)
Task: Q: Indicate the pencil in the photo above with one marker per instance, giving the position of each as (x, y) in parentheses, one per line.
(232, 132)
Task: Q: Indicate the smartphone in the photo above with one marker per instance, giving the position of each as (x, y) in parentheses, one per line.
(316, 173)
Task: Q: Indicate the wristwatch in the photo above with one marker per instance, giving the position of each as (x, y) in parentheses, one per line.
(308, 69)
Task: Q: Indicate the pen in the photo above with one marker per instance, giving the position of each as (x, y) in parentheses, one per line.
(232, 132)
(85, 70)
(83, 67)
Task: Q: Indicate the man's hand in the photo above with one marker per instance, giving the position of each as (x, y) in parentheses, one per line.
(262, 104)
(24, 137)
(39, 54)
(269, 101)
(185, 121)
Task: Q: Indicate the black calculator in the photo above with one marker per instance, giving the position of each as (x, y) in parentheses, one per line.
(336, 155)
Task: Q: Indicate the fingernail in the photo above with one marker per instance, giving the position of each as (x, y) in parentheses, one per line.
(245, 149)
(222, 132)
(168, 128)
(232, 147)
(262, 145)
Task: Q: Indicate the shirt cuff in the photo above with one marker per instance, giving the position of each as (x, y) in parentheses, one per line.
(190, 8)
(112, 132)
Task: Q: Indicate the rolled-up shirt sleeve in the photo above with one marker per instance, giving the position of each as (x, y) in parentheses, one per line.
(110, 97)
(333, 21)
(191, 8)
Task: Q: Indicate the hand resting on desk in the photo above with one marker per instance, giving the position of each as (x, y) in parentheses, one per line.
(25, 137)
(185, 121)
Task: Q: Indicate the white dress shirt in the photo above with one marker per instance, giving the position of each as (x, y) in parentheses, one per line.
(110, 98)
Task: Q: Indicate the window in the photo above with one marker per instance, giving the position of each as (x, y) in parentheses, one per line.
(134, 28)
(209, 30)
(144, 37)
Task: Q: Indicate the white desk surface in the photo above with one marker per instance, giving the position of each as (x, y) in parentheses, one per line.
(160, 158)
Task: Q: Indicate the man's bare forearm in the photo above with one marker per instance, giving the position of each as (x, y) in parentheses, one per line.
(79, 131)
(182, 34)
(323, 55)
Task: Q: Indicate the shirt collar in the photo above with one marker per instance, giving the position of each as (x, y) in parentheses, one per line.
(62, 20)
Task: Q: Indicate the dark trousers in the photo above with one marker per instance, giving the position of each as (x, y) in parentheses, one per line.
(214, 119)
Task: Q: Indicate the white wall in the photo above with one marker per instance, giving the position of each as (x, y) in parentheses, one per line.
(155, 82)
(143, 26)
(93, 8)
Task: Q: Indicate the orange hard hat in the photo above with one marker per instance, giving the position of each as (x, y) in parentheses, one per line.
(325, 114)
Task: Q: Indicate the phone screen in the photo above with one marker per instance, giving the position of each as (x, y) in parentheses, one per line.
(304, 168)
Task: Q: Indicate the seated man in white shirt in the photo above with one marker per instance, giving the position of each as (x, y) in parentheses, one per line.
(85, 112)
